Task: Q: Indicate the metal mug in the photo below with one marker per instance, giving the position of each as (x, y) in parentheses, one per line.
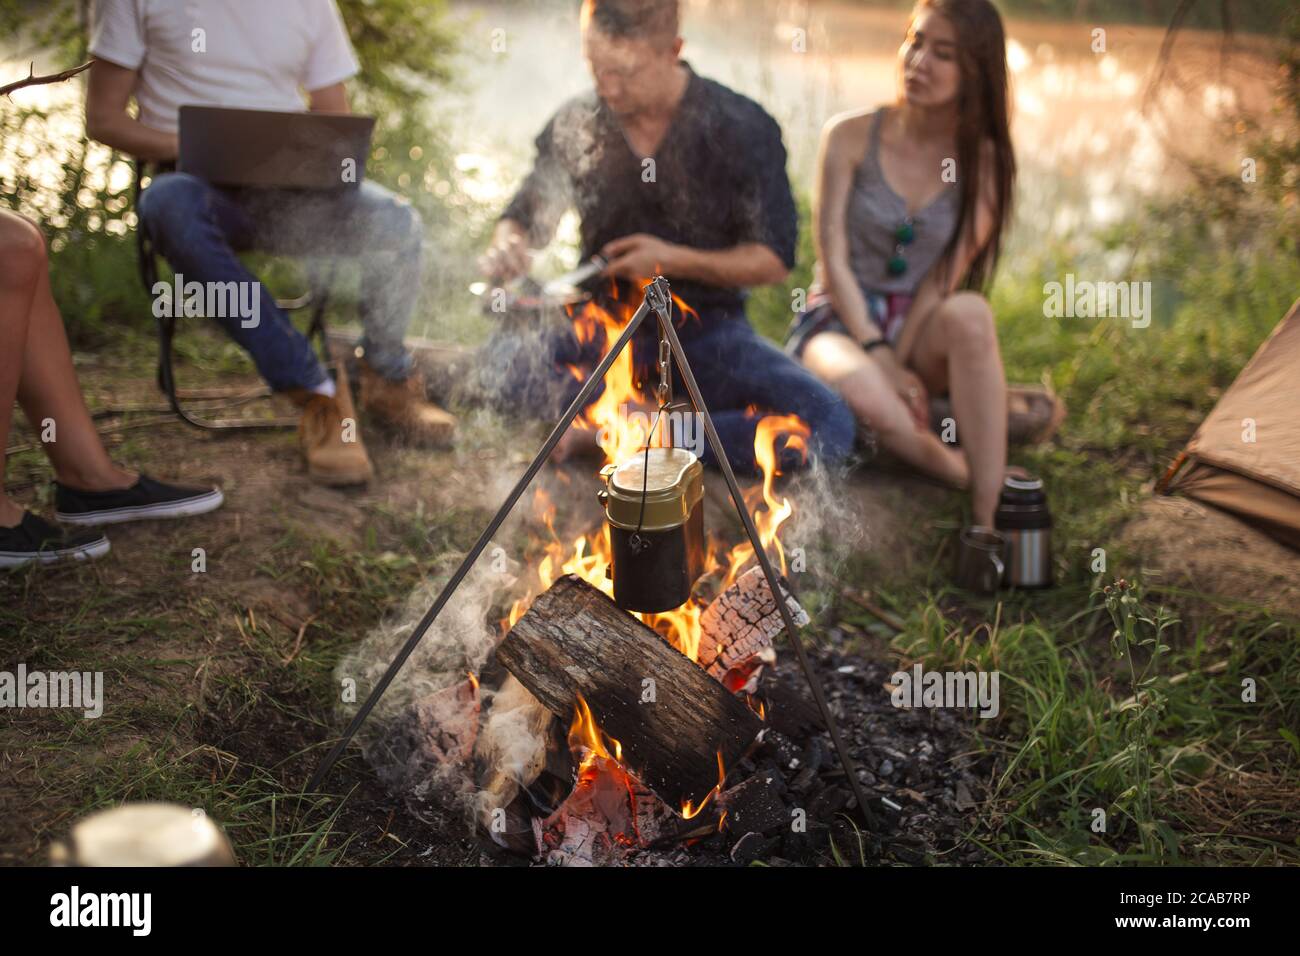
(981, 559)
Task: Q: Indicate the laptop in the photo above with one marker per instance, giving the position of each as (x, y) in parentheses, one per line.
(273, 149)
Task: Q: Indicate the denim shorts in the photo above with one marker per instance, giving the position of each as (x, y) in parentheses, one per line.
(887, 310)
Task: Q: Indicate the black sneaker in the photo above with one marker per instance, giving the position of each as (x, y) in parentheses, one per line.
(145, 499)
(35, 539)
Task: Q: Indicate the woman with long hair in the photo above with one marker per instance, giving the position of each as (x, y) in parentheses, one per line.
(910, 206)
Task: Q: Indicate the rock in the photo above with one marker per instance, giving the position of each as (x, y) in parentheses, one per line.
(814, 755)
(756, 805)
(803, 781)
(963, 800)
(828, 803)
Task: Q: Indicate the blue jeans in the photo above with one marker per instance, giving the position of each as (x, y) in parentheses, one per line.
(199, 228)
(736, 369)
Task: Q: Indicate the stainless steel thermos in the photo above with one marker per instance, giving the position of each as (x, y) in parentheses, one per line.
(1024, 519)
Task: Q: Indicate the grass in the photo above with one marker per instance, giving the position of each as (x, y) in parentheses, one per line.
(240, 748)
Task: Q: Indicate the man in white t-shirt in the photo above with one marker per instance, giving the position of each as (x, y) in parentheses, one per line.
(280, 56)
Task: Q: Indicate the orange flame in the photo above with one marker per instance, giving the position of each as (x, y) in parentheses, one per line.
(620, 436)
(768, 520)
(584, 732)
(589, 555)
(689, 810)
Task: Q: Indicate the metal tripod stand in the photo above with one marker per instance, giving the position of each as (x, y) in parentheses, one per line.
(658, 298)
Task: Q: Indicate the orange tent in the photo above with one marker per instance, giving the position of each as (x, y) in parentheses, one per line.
(1245, 457)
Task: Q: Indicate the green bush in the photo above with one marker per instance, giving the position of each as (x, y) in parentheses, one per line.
(82, 193)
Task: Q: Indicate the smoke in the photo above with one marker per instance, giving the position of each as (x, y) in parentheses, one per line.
(434, 737)
(827, 524)
(519, 371)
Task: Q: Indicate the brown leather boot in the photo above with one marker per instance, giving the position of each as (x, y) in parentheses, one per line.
(330, 437)
(403, 407)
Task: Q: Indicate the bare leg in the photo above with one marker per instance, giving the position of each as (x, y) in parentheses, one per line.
(958, 350)
(22, 255)
(46, 383)
(840, 362)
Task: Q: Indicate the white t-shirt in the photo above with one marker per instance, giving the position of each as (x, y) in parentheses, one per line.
(238, 53)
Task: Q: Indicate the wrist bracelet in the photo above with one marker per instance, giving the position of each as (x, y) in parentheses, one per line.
(875, 343)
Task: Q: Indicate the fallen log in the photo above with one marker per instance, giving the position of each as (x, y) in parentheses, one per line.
(672, 720)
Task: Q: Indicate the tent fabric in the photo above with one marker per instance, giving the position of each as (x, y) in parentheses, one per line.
(1271, 509)
(1245, 457)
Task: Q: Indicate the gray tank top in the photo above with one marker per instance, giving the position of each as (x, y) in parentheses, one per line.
(873, 214)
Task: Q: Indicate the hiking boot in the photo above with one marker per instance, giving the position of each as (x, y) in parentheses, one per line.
(403, 407)
(35, 539)
(145, 499)
(331, 439)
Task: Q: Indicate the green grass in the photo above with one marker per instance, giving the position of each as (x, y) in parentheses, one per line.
(1162, 752)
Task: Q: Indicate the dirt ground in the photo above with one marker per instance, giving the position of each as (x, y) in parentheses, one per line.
(1186, 544)
(232, 664)
(219, 685)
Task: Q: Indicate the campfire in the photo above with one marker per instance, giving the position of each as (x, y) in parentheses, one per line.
(729, 639)
(660, 707)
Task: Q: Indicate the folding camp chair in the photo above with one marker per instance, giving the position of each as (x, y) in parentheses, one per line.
(316, 298)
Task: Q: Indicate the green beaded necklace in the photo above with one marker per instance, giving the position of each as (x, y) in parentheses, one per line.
(904, 233)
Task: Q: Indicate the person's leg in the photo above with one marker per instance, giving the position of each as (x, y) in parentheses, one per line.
(49, 393)
(957, 350)
(376, 227)
(840, 362)
(739, 372)
(390, 242)
(38, 372)
(384, 233)
(22, 257)
(197, 228)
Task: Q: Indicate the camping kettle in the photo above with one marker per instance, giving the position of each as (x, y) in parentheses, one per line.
(654, 506)
(1024, 519)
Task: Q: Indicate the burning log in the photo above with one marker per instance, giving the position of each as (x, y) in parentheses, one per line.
(737, 629)
(672, 721)
(608, 813)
